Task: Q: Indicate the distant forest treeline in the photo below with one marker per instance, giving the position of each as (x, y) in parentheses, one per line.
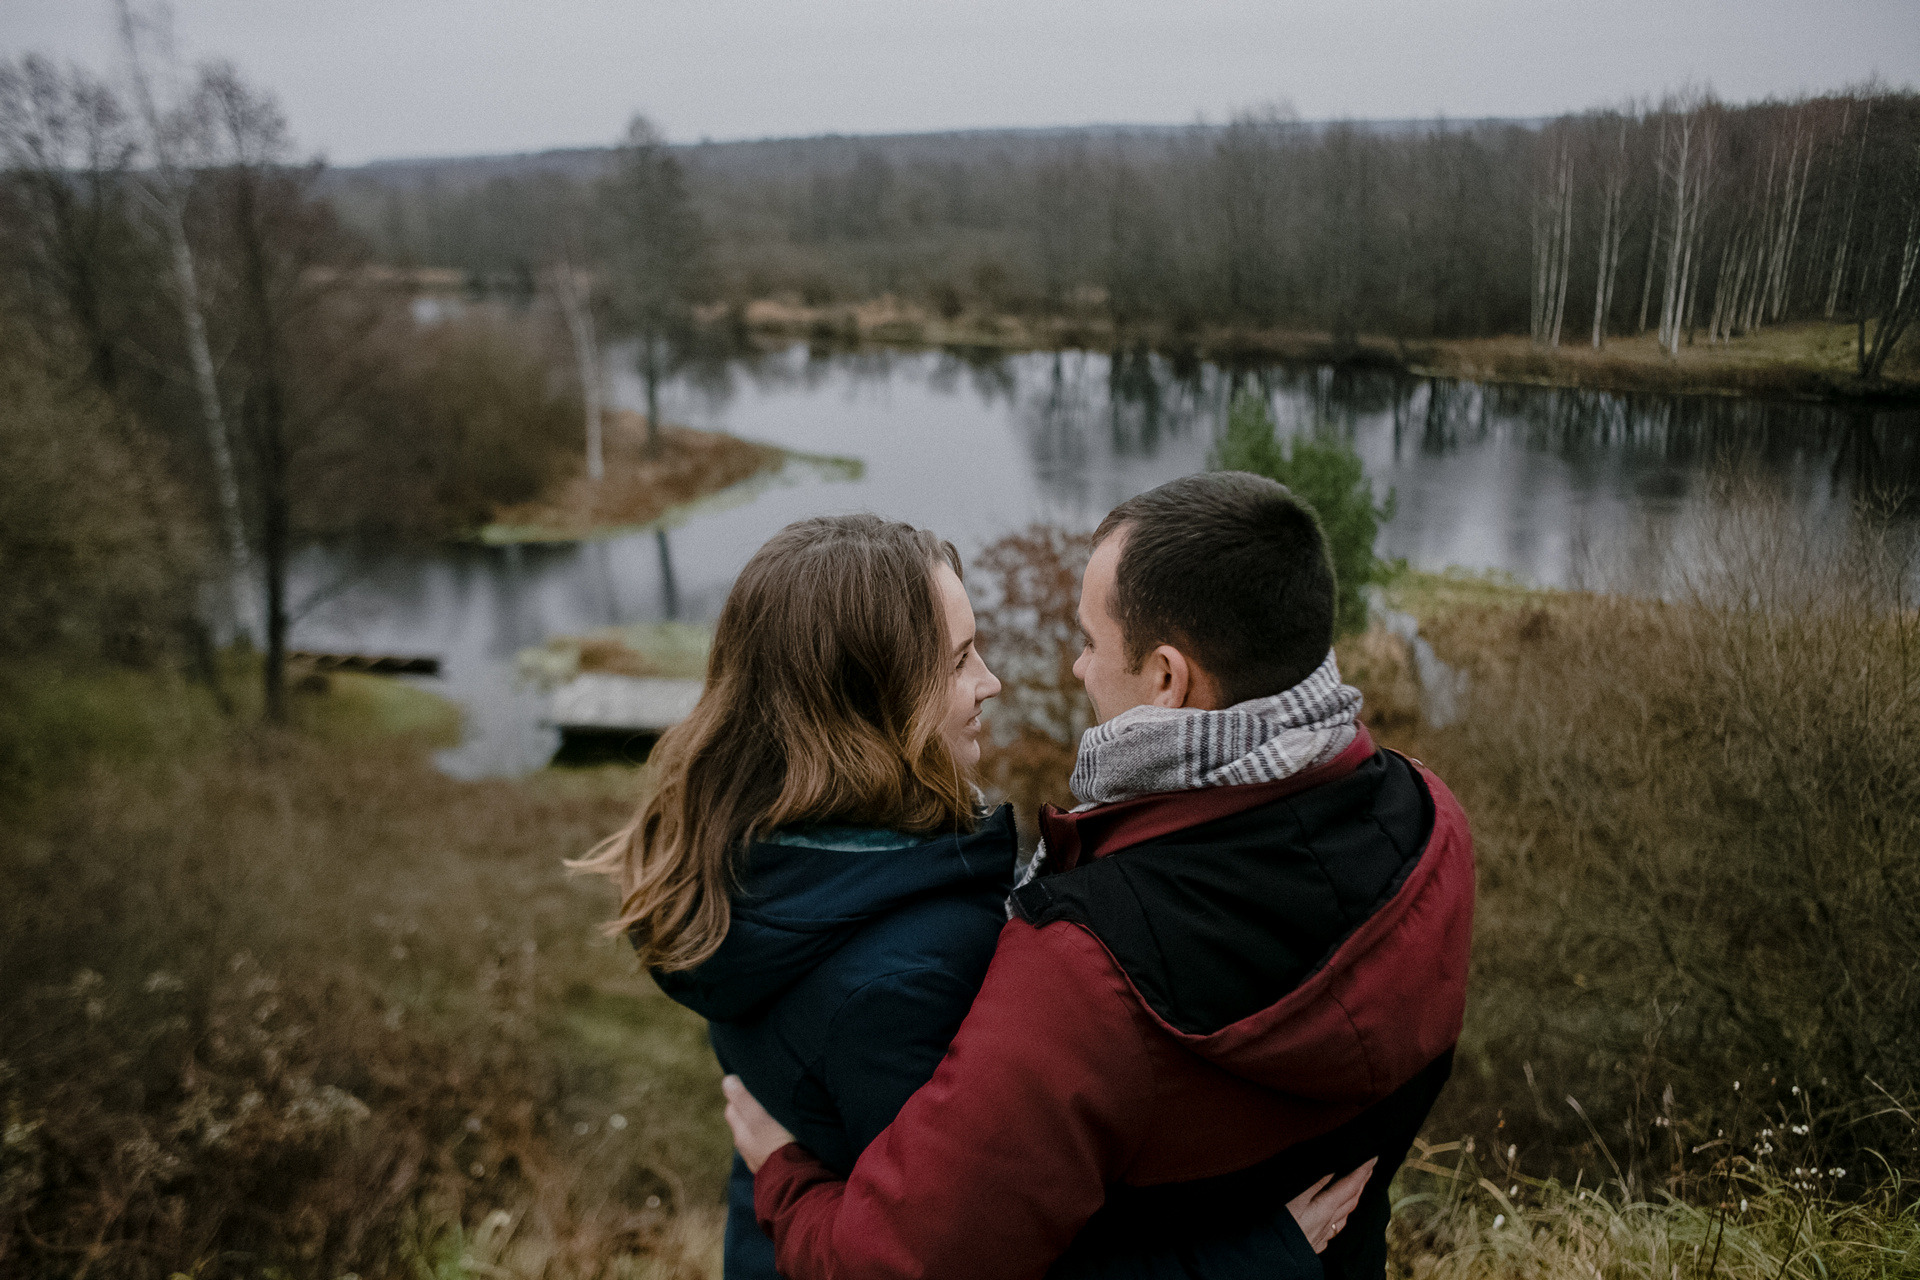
(1693, 218)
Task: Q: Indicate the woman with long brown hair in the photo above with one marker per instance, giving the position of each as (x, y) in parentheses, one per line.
(812, 869)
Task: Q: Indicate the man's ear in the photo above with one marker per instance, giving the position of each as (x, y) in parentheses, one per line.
(1179, 681)
(1167, 668)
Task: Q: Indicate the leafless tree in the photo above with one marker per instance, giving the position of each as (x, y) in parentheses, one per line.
(654, 249)
(67, 150)
(1843, 242)
(1755, 275)
(1688, 164)
(172, 138)
(573, 291)
(1615, 168)
(1894, 297)
(1552, 242)
(281, 263)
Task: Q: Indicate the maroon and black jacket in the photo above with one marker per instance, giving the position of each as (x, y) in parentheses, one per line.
(1211, 999)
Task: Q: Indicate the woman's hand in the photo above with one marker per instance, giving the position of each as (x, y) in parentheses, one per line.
(1320, 1210)
(757, 1135)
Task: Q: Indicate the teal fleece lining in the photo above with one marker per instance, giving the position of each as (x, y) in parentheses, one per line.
(844, 839)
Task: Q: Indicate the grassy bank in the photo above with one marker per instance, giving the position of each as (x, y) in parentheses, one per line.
(1801, 361)
(295, 1004)
(691, 472)
(1810, 361)
(638, 487)
(1694, 832)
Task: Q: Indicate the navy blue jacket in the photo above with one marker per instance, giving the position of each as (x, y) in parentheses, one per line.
(852, 957)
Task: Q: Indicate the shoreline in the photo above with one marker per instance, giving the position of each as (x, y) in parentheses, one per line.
(695, 472)
(1809, 362)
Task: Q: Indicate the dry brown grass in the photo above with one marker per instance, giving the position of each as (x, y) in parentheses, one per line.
(638, 489)
(300, 1005)
(1460, 1215)
(1810, 360)
(1699, 833)
(672, 649)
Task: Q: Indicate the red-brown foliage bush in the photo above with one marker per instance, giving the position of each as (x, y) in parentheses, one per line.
(1028, 584)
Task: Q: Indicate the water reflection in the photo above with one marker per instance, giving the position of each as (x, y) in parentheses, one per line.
(1556, 486)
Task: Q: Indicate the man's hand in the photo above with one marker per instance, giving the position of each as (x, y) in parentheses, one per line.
(757, 1135)
(1320, 1210)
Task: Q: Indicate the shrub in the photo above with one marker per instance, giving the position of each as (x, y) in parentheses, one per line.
(1698, 822)
(1324, 472)
(1028, 586)
(446, 423)
(99, 553)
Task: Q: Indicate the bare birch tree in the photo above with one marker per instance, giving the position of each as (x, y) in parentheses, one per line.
(1553, 244)
(166, 189)
(1753, 284)
(1844, 241)
(573, 291)
(1688, 165)
(1615, 170)
(1788, 216)
(1900, 308)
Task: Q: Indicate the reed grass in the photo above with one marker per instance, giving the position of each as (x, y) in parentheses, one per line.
(1458, 1216)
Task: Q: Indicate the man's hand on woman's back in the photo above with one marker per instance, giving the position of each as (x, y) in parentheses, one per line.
(757, 1135)
(1322, 1210)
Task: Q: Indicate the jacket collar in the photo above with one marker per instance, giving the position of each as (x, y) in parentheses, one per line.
(1078, 836)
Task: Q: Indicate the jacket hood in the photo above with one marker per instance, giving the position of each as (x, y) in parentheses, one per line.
(1309, 935)
(807, 890)
(1387, 1001)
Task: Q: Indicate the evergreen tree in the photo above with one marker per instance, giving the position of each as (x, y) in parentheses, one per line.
(1325, 474)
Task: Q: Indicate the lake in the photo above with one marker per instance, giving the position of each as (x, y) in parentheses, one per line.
(1553, 486)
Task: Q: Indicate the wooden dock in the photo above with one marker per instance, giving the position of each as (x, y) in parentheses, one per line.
(384, 664)
(604, 718)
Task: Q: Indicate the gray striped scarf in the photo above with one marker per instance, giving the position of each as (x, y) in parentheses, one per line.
(1149, 749)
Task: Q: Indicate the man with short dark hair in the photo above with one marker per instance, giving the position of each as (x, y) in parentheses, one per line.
(1241, 965)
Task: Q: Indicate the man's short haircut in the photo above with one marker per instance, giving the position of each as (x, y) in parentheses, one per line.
(1232, 570)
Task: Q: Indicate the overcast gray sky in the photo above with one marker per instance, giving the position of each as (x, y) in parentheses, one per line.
(362, 79)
